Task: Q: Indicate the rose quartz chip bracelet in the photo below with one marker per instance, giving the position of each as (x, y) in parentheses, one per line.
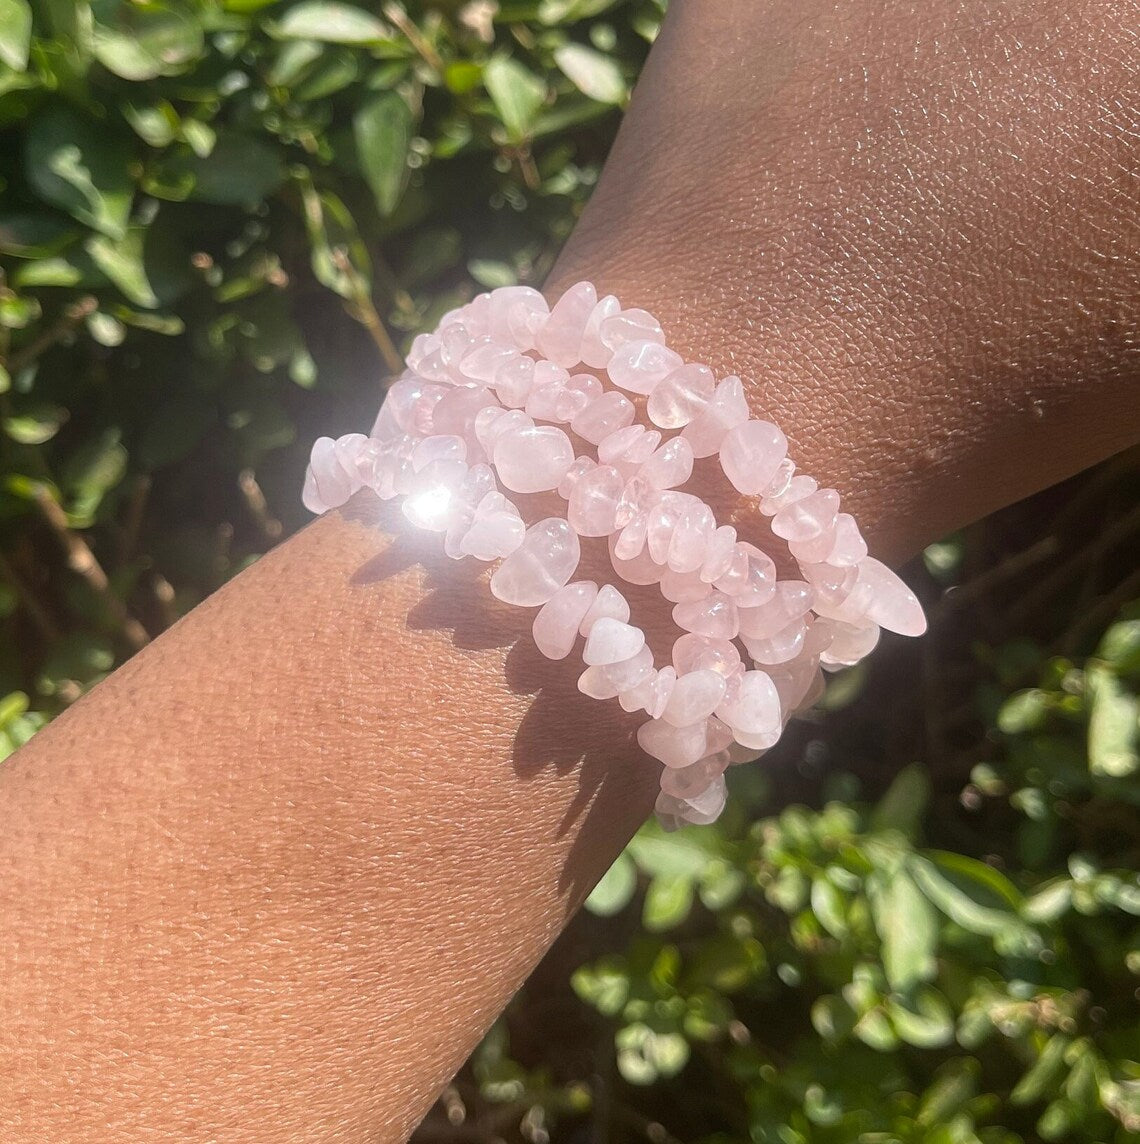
(489, 403)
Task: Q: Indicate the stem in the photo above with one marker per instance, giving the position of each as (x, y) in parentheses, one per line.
(71, 317)
(38, 613)
(81, 559)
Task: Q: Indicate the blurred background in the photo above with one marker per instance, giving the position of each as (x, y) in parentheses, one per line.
(221, 221)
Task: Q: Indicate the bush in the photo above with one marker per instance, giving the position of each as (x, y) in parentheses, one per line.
(217, 218)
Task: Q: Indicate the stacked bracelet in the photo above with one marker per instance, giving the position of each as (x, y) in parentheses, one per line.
(489, 406)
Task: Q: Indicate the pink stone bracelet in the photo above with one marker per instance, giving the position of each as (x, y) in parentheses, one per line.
(489, 403)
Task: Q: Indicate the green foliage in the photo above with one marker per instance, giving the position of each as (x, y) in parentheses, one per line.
(220, 223)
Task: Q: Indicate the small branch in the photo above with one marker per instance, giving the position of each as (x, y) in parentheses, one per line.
(364, 311)
(255, 501)
(1009, 568)
(82, 560)
(395, 13)
(71, 317)
(129, 536)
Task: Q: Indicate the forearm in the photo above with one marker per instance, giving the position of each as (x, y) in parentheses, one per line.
(273, 878)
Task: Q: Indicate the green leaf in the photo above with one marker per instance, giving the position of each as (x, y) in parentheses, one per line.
(644, 1054)
(144, 41)
(80, 166)
(1114, 724)
(907, 928)
(926, 1023)
(570, 11)
(953, 1087)
(15, 33)
(122, 262)
(613, 893)
(604, 985)
(1120, 646)
(330, 22)
(829, 906)
(517, 94)
(36, 425)
(1024, 711)
(34, 235)
(156, 124)
(967, 891)
(241, 170)
(339, 258)
(1041, 1077)
(592, 73)
(904, 804)
(382, 130)
(667, 902)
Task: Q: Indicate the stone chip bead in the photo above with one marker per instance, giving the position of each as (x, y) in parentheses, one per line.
(533, 460)
(544, 562)
(480, 410)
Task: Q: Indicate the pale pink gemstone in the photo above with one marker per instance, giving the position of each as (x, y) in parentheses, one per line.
(582, 465)
(410, 402)
(639, 365)
(735, 578)
(792, 600)
(560, 338)
(651, 694)
(715, 616)
(696, 695)
(480, 481)
(849, 644)
(806, 518)
(680, 587)
(475, 315)
(796, 490)
(609, 603)
(819, 636)
(779, 483)
(637, 498)
(593, 501)
(630, 672)
(454, 342)
(890, 603)
(595, 352)
(603, 416)
(816, 548)
(751, 705)
(433, 498)
(332, 483)
(670, 466)
(533, 460)
(445, 447)
(543, 563)
(485, 357)
(633, 444)
(832, 586)
(793, 682)
(496, 529)
(385, 427)
(515, 312)
(700, 653)
(514, 380)
(595, 683)
(562, 401)
(849, 547)
(726, 409)
(784, 646)
(681, 395)
(751, 453)
(557, 622)
(638, 569)
(457, 529)
(673, 746)
(719, 554)
(422, 347)
(691, 536)
(686, 782)
(759, 586)
(630, 542)
(700, 809)
(492, 422)
(661, 520)
(391, 466)
(631, 326)
(456, 410)
(719, 735)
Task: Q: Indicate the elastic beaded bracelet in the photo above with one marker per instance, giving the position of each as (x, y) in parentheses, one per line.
(489, 403)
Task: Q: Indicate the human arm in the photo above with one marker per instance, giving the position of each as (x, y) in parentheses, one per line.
(273, 878)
